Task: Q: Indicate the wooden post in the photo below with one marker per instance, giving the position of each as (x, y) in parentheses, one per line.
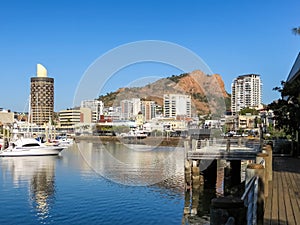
(195, 174)
(227, 180)
(228, 144)
(195, 200)
(194, 144)
(269, 159)
(187, 168)
(240, 142)
(187, 202)
(265, 158)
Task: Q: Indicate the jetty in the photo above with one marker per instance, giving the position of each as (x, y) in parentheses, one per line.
(271, 193)
(283, 202)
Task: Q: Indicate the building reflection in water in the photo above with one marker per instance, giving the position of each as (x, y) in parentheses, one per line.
(198, 199)
(135, 165)
(38, 173)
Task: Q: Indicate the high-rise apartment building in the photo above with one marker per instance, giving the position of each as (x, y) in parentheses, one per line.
(96, 107)
(130, 108)
(177, 105)
(41, 97)
(246, 91)
(148, 110)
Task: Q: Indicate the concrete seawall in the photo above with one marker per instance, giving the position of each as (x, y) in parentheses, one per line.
(152, 141)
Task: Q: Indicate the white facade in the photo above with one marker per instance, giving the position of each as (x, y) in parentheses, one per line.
(177, 105)
(136, 106)
(96, 107)
(246, 92)
(148, 110)
(130, 108)
(70, 117)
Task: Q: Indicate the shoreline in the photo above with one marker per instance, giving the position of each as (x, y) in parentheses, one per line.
(151, 141)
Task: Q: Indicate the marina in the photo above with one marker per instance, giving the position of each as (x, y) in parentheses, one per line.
(84, 186)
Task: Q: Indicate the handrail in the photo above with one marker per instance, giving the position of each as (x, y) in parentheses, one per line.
(249, 187)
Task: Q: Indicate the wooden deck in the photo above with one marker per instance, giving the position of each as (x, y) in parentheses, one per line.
(283, 203)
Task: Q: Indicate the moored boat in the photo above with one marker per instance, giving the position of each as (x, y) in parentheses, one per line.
(134, 135)
(30, 147)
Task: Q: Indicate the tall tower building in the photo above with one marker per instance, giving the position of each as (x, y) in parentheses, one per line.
(177, 105)
(41, 96)
(96, 107)
(148, 110)
(246, 91)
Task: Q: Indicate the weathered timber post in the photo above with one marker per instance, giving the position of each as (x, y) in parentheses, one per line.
(196, 181)
(225, 207)
(259, 158)
(195, 200)
(194, 144)
(240, 142)
(227, 180)
(187, 168)
(269, 151)
(187, 203)
(228, 144)
(207, 142)
(257, 170)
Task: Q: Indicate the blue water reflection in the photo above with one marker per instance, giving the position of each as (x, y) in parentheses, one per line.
(70, 189)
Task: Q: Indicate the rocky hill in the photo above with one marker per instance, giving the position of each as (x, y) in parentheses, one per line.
(207, 91)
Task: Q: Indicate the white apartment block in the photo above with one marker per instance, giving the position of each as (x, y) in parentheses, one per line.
(70, 117)
(130, 108)
(177, 105)
(96, 107)
(246, 91)
(148, 109)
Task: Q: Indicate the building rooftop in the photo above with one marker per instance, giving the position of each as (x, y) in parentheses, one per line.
(295, 71)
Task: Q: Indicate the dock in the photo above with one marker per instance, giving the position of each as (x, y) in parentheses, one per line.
(283, 203)
(274, 180)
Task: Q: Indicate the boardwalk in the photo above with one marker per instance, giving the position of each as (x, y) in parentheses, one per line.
(283, 203)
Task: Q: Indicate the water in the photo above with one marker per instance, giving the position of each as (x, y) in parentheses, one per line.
(92, 183)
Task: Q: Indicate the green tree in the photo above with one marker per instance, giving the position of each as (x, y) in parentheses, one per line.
(248, 110)
(296, 30)
(287, 109)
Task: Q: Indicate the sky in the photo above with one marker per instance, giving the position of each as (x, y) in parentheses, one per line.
(232, 37)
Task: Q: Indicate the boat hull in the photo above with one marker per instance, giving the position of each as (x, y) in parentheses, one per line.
(31, 151)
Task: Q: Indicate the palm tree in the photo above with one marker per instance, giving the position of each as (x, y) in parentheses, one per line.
(296, 30)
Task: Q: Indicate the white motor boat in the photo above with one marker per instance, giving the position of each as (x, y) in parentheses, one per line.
(64, 141)
(134, 135)
(30, 147)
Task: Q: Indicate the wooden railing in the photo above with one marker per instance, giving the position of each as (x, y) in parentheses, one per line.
(250, 200)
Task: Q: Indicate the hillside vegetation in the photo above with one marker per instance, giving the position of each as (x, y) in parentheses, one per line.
(207, 92)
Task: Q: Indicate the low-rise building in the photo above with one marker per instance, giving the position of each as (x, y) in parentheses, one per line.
(6, 117)
(70, 117)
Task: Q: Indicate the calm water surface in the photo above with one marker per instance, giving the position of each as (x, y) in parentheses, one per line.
(91, 183)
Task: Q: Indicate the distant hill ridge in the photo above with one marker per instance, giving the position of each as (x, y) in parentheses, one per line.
(207, 91)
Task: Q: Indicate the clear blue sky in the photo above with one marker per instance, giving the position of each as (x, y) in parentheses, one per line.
(232, 37)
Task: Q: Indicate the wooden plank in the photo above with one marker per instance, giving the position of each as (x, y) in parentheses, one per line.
(287, 198)
(282, 201)
(294, 200)
(268, 208)
(274, 215)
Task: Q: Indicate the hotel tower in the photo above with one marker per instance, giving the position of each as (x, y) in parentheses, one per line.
(41, 96)
(246, 91)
